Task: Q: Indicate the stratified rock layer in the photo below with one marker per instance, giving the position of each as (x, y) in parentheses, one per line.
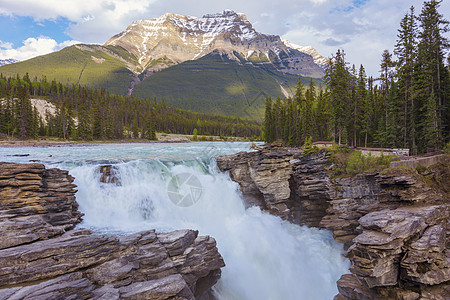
(42, 257)
(394, 223)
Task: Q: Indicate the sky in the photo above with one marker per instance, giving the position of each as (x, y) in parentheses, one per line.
(362, 28)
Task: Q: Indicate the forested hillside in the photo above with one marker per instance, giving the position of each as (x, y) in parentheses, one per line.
(407, 106)
(85, 114)
(216, 84)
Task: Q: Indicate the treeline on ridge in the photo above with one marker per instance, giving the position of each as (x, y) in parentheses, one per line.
(86, 114)
(408, 108)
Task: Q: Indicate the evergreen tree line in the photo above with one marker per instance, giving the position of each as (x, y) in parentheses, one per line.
(294, 120)
(86, 114)
(408, 106)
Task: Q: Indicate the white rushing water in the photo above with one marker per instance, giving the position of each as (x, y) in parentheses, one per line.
(266, 258)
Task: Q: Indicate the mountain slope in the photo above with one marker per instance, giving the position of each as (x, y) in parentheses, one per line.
(80, 64)
(217, 84)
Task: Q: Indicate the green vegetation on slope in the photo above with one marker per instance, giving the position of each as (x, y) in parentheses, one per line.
(215, 84)
(86, 114)
(74, 66)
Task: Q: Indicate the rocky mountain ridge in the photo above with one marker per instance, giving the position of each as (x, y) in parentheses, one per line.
(318, 58)
(171, 39)
(394, 223)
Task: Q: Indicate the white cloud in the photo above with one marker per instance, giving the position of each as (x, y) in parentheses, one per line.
(32, 47)
(93, 21)
(363, 28)
(6, 45)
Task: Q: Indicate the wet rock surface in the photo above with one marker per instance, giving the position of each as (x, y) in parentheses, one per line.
(43, 257)
(394, 223)
(109, 174)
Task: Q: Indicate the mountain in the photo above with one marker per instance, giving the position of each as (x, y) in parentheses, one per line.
(7, 61)
(318, 58)
(217, 63)
(172, 39)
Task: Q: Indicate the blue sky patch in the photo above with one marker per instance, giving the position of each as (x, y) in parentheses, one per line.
(359, 3)
(18, 29)
(355, 4)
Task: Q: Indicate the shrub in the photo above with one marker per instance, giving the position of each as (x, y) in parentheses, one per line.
(308, 147)
(351, 162)
(447, 149)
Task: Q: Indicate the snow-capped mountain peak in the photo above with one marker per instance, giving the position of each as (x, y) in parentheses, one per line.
(172, 38)
(8, 61)
(318, 58)
(143, 36)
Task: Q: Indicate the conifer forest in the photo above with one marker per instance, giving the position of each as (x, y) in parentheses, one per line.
(406, 106)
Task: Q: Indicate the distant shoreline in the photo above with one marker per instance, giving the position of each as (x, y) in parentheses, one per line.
(44, 143)
(162, 138)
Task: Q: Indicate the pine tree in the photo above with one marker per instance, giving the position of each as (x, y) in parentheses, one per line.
(150, 126)
(405, 50)
(338, 80)
(2, 116)
(97, 126)
(290, 122)
(34, 128)
(306, 114)
(368, 109)
(276, 116)
(322, 115)
(359, 105)
(432, 80)
(386, 76)
(430, 124)
(25, 113)
(268, 122)
(298, 99)
(84, 130)
(392, 135)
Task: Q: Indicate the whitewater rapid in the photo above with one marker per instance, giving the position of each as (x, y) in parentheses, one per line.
(266, 257)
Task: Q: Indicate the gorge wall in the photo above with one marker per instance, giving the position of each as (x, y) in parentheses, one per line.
(42, 256)
(393, 223)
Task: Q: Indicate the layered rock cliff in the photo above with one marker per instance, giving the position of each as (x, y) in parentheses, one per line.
(394, 223)
(43, 257)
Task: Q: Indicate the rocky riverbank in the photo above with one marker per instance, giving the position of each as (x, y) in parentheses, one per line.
(42, 256)
(393, 223)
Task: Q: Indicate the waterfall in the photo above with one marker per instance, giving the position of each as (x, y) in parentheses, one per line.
(178, 186)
